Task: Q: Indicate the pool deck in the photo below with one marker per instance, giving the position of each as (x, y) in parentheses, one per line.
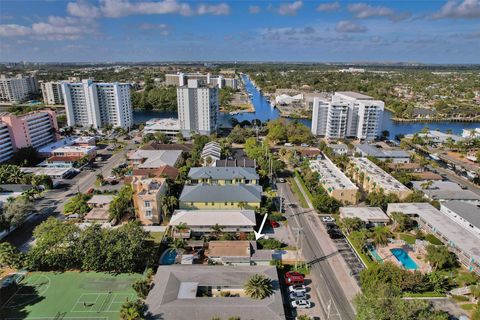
(387, 255)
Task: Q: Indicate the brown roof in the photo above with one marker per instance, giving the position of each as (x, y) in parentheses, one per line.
(428, 176)
(229, 248)
(310, 152)
(64, 158)
(97, 214)
(163, 171)
(152, 145)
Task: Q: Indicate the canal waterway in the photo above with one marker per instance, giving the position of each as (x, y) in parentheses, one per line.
(264, 112)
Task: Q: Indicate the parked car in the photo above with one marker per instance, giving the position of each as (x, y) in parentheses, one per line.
(304, 145)
(90, 191)
(274, 224)
(297, 288)
(301, 304)
(281, 180)
(298, 296)
(328, 219)
(292, 278)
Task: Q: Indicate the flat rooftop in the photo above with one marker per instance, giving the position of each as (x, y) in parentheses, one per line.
(229, 249)
(367, 214)
(374, 151)
(168, 124)
(468, 211)
(156, 158)
(354, 95)
(226, 218)
(53, 172)
(330, 176)
(174, 297)
(456, 234)
(382, 179)
(445, 190)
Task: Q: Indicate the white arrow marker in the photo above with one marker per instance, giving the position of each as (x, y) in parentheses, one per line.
(259, 234)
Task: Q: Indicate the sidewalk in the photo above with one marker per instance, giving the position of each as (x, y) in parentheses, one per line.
(342, 271)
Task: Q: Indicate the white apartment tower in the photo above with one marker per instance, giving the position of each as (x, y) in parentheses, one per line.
(52, 93)
(90, 104)
(347, 115)
(17, 89)
(6, 144)
(197, 108)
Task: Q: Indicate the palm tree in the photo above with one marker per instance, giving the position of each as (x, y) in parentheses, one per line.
(427, 184)
(217, 230)
(182, 226)
(242, 204)
(177, 245)
(380, 235)
(131, 310)
(258, 287)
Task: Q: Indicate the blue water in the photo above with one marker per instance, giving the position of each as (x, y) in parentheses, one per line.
(264, 112)
(375, 254)
(168, 257)
(404, 258)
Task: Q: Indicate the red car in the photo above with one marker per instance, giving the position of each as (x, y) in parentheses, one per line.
(274, 224)
(292, 278)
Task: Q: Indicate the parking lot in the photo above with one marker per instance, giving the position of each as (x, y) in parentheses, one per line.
(344, 248)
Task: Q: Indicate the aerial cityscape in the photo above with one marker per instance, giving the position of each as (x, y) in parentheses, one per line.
(239, 160)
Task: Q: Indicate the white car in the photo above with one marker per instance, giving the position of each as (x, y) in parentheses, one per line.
(304, 145)
(298, 296)
(328, 219)
(297, 288)
(301, 304)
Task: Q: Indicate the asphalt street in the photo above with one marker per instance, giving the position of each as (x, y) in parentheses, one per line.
(54, 200)
(334, 303)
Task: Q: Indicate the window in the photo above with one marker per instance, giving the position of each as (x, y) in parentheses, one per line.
(147, 204)
(148, 213)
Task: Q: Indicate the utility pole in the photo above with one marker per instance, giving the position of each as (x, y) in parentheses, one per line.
(298, 243)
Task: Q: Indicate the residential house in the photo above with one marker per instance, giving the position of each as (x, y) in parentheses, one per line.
(211, 152)
(223, 175)
(372, 216)
(338, 148)
(229, 252)
(147, 199)
(99, 205)
(153, 159)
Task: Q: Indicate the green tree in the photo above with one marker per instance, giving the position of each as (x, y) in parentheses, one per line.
(258, 287)
(42, 180)
(11, 174)
(77, 205)
(26, 157)
(380, 235)
(401, 222)
(10, 257)
(15, 212)
(142, 287)
(122, 205)
(132, 310)
(439, 257)
(351, 224)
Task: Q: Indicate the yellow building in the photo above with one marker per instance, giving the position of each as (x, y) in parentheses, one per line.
(147, 199)
(229, 196)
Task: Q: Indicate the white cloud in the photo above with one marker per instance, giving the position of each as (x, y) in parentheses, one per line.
(254, 9)
(56, 28)
(364, 11)
(329, 6)
(83, 9)
(349, 27)
(162, 28)
(13, 30)
(122, 8)
(468, 9)
(290, 9)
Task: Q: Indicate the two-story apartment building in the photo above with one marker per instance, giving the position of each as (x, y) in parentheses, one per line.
(223, 175)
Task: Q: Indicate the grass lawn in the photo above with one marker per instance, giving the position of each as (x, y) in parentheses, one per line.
(367, 260)
(408, 238)
(423, 294)
(468, 306)
(157, 236)
(68, 295)
(433, 240)
(298, 193)
(302, 183)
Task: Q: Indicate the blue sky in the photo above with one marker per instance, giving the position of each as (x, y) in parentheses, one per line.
(427, 31)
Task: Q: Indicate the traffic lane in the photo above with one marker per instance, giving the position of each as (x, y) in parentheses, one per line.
(334, 302)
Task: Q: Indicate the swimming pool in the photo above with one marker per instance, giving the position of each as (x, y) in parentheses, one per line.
(374, 254)
(168, 257)
(404, 258)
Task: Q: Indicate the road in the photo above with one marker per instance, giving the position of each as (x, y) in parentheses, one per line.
(54, 200)
(334, 302)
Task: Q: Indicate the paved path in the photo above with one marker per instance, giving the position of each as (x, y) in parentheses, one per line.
(331, 280)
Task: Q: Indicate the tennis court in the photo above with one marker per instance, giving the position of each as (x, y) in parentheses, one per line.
(68, 296)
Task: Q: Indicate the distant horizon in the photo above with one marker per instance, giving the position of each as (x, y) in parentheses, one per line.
(423, 32)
